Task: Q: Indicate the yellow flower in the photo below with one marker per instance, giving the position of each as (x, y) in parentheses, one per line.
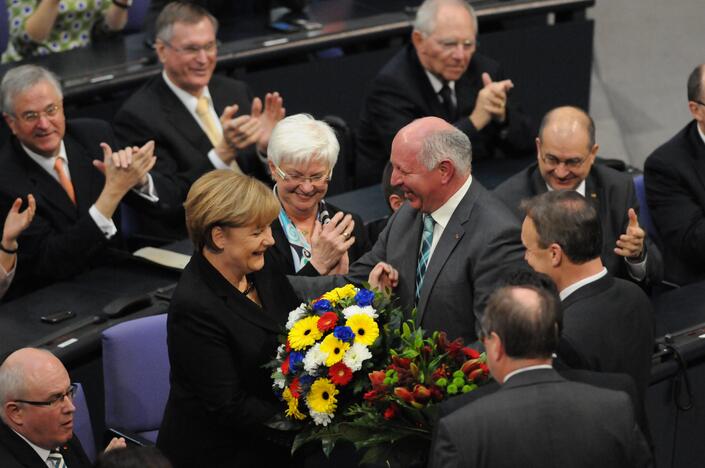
(321, 397)
(293, 405)
(339, 294)
(334, 348)
(304, 333)
(365, 328)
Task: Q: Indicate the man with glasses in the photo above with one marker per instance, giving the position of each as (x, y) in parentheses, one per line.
(199, 121)
(566, 152)
(76, 179)
(537, 417)
(674, 177)
(439, 74)
(37, 413)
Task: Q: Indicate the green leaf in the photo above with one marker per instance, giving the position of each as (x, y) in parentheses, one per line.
(328, 446)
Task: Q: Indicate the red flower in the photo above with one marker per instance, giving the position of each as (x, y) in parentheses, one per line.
(404, 394)
(400, 362)
(436, 393)
(477, 373)
(441, 371)
(340, 374)
(295, 388)
(327, 321)
(288, 346)
(469, 366)
(421, 393)
(377, 378)
(372, 395)
(391, 412)
(471, 353)
(285, 365)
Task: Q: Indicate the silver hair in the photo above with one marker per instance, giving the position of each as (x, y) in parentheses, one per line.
(451, 144)
(425, 21)
(13, 382)
(181, 12)
(300, 138)
(19, 79)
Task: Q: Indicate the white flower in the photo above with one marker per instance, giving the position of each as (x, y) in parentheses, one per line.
(281, 351)
(321, 419)
(356, 355)
(279, 379)
(314, 358)
(355, 309)
(296, 315)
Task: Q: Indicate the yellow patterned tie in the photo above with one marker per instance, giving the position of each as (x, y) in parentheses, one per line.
(212, 130)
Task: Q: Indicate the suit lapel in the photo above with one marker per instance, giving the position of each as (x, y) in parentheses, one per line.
(182, 121)
(588, 291)
(698, 152)
(281, 249)
(82, 176)
(424, 84)
(22, 452)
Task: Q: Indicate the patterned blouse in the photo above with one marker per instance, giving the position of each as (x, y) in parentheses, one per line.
(72, 28)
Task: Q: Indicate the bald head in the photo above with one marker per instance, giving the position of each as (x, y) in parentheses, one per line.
(569, 123)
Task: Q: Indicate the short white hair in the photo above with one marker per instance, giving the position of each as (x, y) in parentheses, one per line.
(425, 21)
(451, 144)
(300, 138)
(19, 79)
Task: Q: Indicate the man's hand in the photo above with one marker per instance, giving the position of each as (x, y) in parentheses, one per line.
(273, 112)
(491, 102)
(116, 443)
(631, 243)
(330, 241)
(17, 221)
(383, 276)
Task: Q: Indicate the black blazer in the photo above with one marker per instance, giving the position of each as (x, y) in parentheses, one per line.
(220, 395)
(279, 255)
(539, 419)
(16, 453)
(154, 112)
(401, 93)
(674, 177)
(612, 194)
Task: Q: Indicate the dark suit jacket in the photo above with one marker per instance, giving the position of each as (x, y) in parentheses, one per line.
(612, 194)
(63, 240)
(16, 453)
(608, 327)
(401, 93)
(674, 177)
(220, 395)
(279, 255)
(478, 244)
(538, 419)
(154, 112)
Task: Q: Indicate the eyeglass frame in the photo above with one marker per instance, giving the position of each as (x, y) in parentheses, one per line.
(570, 163)
(56, 401)
(314, 180)
(32, 117)
(209, 49)
(449, 45)
(697, 101)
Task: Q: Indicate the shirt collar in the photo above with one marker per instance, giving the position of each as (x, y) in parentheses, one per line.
(42, 452)
(700, 132)
(48, 163)
(580, 188)
(437, 84)
(579, 284)
(526, 369)
(188, 100)
(442, 215)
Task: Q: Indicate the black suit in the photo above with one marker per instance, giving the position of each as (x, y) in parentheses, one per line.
(16, 453)
(612, 194)
(154, 112)
(63, 240)
(220, 395)
(279, 255)
(674, 176)
(608, 327)
(402, 92)
(538, 419)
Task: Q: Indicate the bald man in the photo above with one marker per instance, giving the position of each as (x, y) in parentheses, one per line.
(37, 413)
(450, 240)
(565, 153)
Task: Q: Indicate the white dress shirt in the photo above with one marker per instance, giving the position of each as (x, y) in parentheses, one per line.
(443, 214)
(579, 284)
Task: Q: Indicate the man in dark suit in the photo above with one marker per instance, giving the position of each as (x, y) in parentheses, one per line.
(56, 162)
(607, 322)
(440, 75)
(198, 120)
(674, 177)
(566, 151)
(449, 242)
(537, 417)
(37, 413)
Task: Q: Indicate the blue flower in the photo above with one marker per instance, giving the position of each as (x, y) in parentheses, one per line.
(322, 306)
(296, 360)
(306, 381)
(344, 334)
(364, 297)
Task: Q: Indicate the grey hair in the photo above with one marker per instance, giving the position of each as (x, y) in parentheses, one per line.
(300, 138)
(425, 21)
(181, 12)
(19, 79)
(448, 144)
(13, 382)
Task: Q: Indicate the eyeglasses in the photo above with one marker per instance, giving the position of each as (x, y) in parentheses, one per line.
(56, 400)
(192, 50)
(317, 179)
(30, 117)
(570, 163)
(699, 102)
(449, 45)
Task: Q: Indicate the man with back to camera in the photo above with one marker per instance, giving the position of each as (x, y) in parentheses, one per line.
(440, 74)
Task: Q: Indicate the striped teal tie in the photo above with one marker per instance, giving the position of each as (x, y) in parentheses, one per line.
(56, 460)
(425, 252)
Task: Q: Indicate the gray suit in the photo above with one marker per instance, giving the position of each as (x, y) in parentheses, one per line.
(481, 239)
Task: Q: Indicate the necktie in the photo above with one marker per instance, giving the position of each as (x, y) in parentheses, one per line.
(448, 105)
(425, 252)
(212, 131)
(64, 179)
(56, 460)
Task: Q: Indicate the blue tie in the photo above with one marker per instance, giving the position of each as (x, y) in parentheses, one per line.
(56, 460)
(425, 252)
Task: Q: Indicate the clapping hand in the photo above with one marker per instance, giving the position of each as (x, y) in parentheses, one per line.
(273, 112)
(491, 103)
(330, 241)
(17, 221)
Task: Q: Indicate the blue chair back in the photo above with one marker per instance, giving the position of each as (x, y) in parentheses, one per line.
(645, 219)
(136, 15)
(136, 375)
(82, 426)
